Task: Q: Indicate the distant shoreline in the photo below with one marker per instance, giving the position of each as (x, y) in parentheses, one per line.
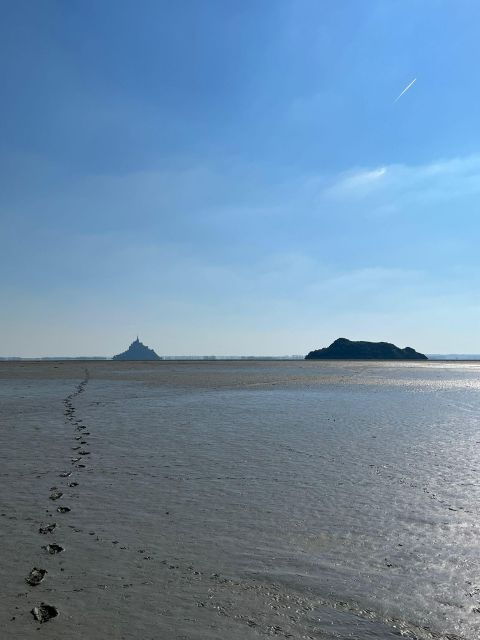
(431, 358)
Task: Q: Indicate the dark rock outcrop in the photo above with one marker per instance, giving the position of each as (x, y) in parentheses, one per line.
(137, 351)
(343, 349)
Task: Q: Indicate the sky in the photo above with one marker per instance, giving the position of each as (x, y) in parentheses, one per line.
(237, 177)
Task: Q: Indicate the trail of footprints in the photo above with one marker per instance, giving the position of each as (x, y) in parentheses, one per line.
(44, 612)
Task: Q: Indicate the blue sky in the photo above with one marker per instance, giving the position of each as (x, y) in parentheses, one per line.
(236, 178)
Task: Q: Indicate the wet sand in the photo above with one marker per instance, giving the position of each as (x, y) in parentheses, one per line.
(160, 501)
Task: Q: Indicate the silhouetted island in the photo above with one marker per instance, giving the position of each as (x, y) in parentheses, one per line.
(343, 349)
(137, 351)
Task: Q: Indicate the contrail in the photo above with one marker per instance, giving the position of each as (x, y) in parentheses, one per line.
(405, 90)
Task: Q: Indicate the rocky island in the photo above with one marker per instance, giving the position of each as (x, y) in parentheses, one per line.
(343, 349)
(137, 351)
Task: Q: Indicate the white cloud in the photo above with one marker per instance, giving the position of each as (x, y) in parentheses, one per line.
(358, 181)
(433, 182)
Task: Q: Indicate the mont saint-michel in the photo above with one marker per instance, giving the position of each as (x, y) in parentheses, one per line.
(137, 351)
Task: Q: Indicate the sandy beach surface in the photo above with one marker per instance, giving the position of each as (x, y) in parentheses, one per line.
(214, 500)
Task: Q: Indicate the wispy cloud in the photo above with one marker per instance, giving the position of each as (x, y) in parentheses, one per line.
(442, 180)
(357, 182)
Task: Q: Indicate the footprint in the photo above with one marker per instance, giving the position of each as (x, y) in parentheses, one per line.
(44, 612)
(56, 495)
(35, 576)
(63, 509)
(84, 453)
(53, 548)
(74, 459)
(48, 529)
(73, 484)
(65, 475)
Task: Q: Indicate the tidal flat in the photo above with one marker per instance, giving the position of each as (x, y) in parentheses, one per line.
(242, 499)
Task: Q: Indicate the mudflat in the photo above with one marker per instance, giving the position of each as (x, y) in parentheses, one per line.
(205, 500)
